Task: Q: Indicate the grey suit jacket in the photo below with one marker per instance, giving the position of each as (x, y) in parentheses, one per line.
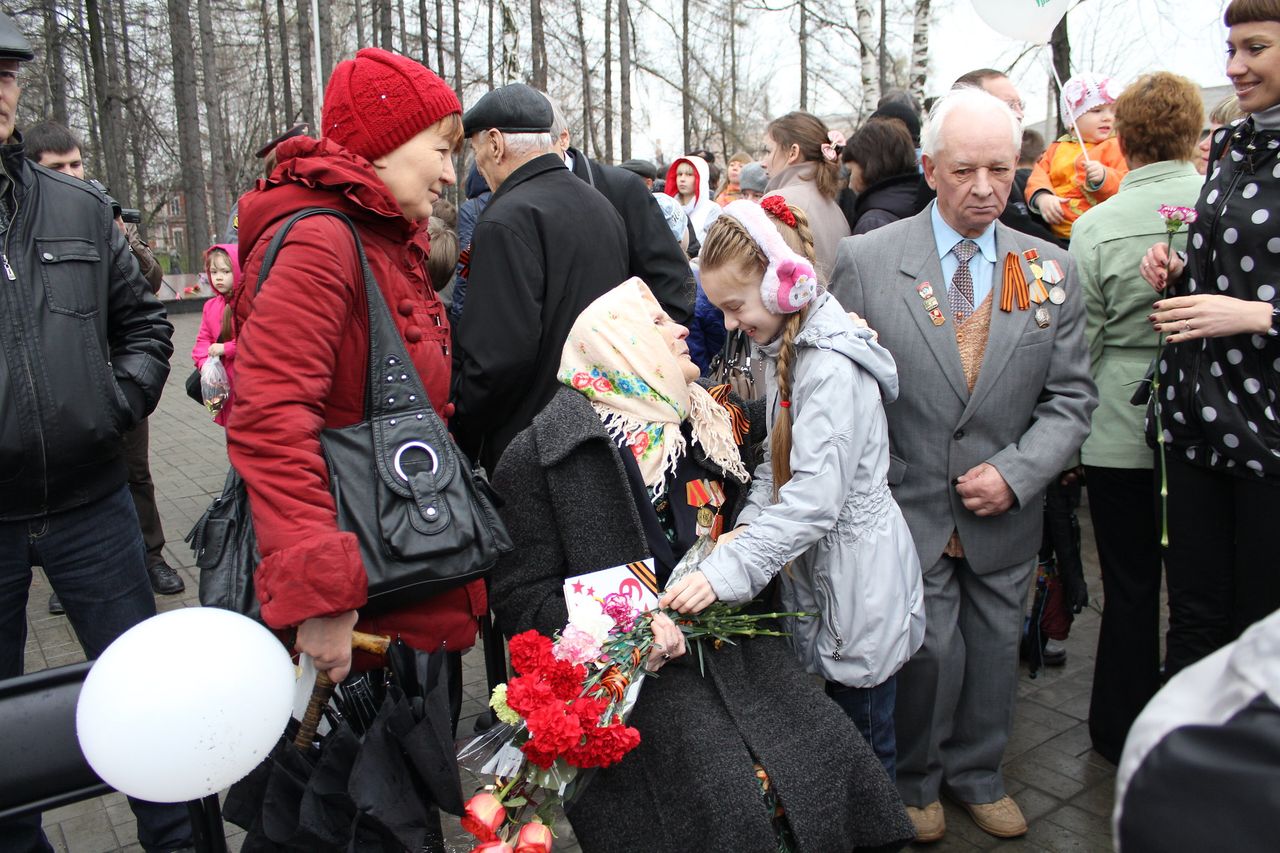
(1029, 410)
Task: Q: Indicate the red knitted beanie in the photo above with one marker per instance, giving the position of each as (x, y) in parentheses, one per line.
(380, 100)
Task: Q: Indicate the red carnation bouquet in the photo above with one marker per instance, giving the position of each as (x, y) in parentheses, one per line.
(565, 712)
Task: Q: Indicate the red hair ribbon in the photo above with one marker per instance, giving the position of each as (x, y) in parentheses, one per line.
(777, 206)
(786, 404)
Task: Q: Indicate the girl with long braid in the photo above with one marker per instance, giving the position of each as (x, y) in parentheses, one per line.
(820, 512)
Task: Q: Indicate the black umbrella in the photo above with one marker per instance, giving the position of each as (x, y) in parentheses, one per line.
(375, 781)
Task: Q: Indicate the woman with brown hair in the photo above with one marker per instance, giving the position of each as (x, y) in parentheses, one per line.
(884, 172)
(1219, 313)
(801, 157)
(1158, 118)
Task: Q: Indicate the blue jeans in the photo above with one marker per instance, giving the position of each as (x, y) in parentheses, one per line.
(871, 709)
(94, 559)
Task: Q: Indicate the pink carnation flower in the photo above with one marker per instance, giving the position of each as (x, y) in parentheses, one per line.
(576, 646)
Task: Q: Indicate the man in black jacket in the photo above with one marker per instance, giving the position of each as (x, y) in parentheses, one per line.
(652, 251)
(545, 247)
(84, 353)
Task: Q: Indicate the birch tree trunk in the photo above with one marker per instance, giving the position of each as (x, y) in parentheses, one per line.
(539, 46)
(866, 38)
(804, 56)
(213, 118)
(186, 107)
(920, 51)
(54, 61)
(686, 105)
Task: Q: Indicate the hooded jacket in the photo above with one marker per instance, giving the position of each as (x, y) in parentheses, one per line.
(702, 211)
(211, 328)
(84, 344)
(302, 363)
(855, 563)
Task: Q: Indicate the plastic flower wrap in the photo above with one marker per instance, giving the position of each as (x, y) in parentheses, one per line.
(564, 713)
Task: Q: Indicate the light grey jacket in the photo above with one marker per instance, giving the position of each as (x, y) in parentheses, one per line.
(855, 564)
(1027, 415)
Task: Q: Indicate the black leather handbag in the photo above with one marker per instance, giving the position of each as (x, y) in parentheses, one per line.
(227, 550)
(424, 517)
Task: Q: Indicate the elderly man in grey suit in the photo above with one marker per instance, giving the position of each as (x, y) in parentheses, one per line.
(987, 327)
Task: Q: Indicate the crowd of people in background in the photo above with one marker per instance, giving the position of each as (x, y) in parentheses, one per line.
(898, 357)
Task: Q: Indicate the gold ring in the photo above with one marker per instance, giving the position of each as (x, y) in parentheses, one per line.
(1186, 325)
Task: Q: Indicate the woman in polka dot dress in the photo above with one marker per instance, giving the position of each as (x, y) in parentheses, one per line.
(1220, 371)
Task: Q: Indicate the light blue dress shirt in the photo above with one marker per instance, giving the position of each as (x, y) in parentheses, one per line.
(982, 266)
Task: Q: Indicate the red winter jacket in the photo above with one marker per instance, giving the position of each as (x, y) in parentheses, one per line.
(301, 366)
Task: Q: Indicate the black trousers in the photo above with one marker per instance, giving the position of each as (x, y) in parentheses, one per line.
(137, 449)
(1126, 672)
(1222, 566)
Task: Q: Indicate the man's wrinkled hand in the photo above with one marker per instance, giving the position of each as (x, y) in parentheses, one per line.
(983, 491)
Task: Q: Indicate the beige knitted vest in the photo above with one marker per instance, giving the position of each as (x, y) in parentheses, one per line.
(971, 339)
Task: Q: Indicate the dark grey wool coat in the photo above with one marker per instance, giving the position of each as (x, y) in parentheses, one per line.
(690, 783)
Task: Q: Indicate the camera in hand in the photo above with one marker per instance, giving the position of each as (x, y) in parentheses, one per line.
(127, 214)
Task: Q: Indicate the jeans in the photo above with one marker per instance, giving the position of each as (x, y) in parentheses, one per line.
(94, 559)
(871, 709)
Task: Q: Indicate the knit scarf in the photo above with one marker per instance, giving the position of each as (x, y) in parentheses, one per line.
(618, 358)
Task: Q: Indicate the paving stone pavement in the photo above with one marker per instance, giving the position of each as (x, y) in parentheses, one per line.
(1063, 787)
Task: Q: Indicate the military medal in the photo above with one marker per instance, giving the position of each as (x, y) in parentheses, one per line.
(930, 302)
(1037, 292)
(1057, 295)
(708, 497)
(1042, 317)
(1054, 276)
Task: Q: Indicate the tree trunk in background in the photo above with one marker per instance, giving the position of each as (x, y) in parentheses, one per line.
(510, 45)
(213, 119)
(119, 99)
(733, 66)
(457, 49)
(137, 133)
(866, 38)
(804, 56)
(108, 104)
(584, 69)
(385, 28)
(326, 44)
(306, 61)
(82, 46)
(608, 81)
(882, 50)
(422, 33)
(1060, 43)
(273, 108)
(624, 78)
(186, 105)
(440, 39)
(54, 61)
(686, 105)
(919, 74)
(286, 69)
(359, 12)
(539, 46)
(489, 58)
(404, 32)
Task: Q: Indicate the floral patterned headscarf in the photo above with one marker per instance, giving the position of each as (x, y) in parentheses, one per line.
(618, 359)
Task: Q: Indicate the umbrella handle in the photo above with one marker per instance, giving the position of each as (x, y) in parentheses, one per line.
(374, 644)
(320, 695)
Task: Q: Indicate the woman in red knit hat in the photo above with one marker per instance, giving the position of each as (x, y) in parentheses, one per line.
(388, 130)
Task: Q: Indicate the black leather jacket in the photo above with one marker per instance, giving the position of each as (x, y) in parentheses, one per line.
(84, 345)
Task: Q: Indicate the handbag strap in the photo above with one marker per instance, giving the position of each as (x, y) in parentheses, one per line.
(390, 370)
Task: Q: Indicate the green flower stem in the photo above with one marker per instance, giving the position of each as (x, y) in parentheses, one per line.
(1155, 389)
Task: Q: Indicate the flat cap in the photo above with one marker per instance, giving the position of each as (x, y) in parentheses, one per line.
(299, 129)
(515, 108)
(13, 44)
(643, 168)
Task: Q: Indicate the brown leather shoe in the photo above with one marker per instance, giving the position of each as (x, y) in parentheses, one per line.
(1003, 818)
(930, 822)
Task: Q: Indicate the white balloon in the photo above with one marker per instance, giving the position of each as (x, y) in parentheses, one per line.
(1024, 20)
(184, 704)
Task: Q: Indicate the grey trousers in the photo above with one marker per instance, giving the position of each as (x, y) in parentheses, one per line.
(956, 694)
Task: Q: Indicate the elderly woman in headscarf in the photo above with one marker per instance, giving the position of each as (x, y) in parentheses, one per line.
(751, 756)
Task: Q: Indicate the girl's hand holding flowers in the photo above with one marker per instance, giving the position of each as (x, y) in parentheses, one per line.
(1158, 269)
(691, 594)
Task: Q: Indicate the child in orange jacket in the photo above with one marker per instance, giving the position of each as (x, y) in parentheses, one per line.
(1064, 184)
